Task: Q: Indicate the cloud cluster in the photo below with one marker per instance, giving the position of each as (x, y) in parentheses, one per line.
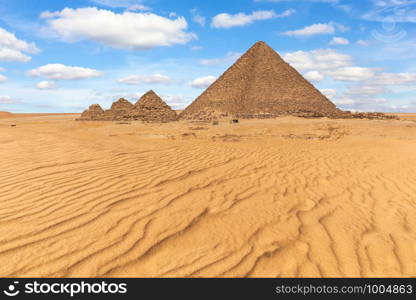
(46, 85)
(351, 73)
(128, 30)
(202, 82)
(328, 62)
(151, 79)
(225, 20)
(314, 76)
(321, 60)
(317, 29)
(366, 86)
(339, 41)
(277, 1)
(63, 72)
(138, 7)
(6, 100)
(363, 43)
(14, 49)
(2, 77)
(197, 18)
(128, 4)
(329, 93)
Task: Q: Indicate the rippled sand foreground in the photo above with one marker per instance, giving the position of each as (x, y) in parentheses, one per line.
(263, 198)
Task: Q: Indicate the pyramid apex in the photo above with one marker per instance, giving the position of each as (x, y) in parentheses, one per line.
(261, 45)
(95, 106)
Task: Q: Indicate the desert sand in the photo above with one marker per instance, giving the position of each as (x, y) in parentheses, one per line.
(5, 114)
(263, 198)
(407, 117)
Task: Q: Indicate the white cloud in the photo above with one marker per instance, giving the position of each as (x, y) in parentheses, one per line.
(329, 93)
(138, 7)
(9, 40)
(197, 18)
(341, 28)
(46, 85)
(345, 101)
(176, 101)
(277, 1)
(130, 80)
(202, 82)
(196, 48)
(14, 49)
(367, 95)
(395, 11)
(314, 29)
(339, 41)
(314, 76)
(328, 62)
(395, 79)
(151, 79)
(225, 20)
(119, 3)
(361, 103)
(229, 57)
(318, 60)
(351, 73)
(6, 100)
(363, 43)
(7, 54)
(63, 72)
(365, 90)
(3, 78)
(129, 30)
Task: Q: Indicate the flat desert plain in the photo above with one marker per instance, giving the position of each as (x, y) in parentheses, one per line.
(263, 198)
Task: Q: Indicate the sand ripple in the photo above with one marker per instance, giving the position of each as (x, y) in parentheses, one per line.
(271, 198)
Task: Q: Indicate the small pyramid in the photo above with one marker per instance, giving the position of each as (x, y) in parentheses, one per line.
(151, 108)
(259, 84)
(94, 112)
(119, 110)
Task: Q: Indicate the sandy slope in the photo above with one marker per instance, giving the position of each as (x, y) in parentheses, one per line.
(286, 197)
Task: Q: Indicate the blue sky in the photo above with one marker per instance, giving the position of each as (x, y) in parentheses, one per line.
(61, 56)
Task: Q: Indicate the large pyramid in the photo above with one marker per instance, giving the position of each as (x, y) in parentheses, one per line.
(151, 108)
(260, 84)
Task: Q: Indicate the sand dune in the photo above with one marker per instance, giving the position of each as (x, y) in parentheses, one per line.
(264, 198)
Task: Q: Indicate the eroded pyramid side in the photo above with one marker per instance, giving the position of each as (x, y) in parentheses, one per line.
(151, 108)
(93, 113)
